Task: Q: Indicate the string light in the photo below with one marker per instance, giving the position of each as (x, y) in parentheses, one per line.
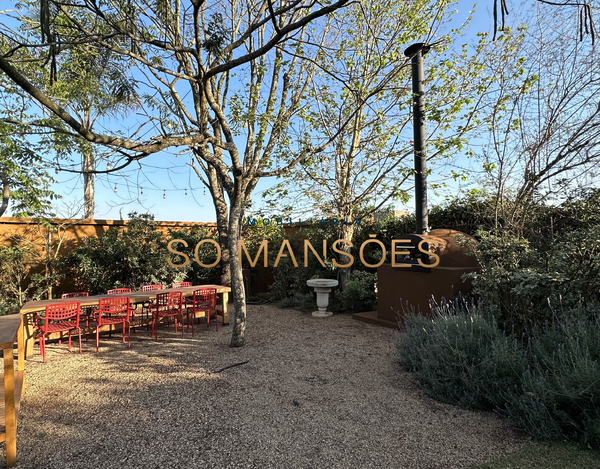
(108, 167)
(164, 194)
(205, 191)
(141, 191)
(186, 191)
(56, 170)
(115, 188)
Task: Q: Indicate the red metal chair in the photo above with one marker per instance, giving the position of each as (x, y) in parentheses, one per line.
(118, 291)
(204, 300)
(167, 305)
(181, 284)
(76, 294)
(87, 310)
(146, 306)
(60, 317)
(133, 321)
(115, 310)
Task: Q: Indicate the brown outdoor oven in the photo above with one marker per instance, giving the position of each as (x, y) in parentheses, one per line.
(412, 285)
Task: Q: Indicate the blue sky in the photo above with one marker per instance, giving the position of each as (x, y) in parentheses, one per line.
(166, 187)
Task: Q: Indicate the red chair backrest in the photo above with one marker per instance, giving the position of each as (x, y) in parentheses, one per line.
(118, 291)
(206, 296)
(62, 312)
(74, 294)
(152, 287)
(169, 300)
(114, 305)
(181, 284)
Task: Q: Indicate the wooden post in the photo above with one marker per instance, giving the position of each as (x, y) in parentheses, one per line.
(21, 352)
(225, 300)
(28, 334)
(9, 409)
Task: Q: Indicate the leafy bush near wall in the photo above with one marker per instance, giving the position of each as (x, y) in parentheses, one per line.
(207, 253)
(520, 281)
(289, 285)
(548, 383)
(129, 258)
(18, 283)
(359, 294)
(302, 301)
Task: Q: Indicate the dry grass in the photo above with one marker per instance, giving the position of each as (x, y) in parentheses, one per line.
(316, 393)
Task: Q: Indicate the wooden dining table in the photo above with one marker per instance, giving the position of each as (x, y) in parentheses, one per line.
(138, 297)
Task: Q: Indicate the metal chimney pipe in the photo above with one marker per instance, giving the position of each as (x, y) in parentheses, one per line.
(416, 53)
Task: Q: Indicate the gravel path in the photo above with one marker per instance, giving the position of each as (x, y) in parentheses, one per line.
(315, 393)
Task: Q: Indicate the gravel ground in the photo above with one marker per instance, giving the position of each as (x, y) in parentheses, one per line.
(315, 393)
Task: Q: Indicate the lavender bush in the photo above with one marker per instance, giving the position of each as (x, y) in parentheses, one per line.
(548, 381)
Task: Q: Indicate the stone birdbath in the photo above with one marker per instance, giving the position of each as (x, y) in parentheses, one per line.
(322, 287)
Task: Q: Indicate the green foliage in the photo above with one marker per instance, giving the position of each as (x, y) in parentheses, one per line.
(519, 282)
(460, 356)
(359, 293)
(302, 301)
(127, 258)
(23, 168)
(18, 283)
(254, 234)
(289, 283)
(556, 455)
(559, 394)
(469, 214)
(549, 385)
(207, 253)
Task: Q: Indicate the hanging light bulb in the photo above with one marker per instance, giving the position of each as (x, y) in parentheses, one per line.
(108, 167)
(141, 191)
(205, 191)
(186, 191)
(115, 188)
(39, 179)
(56, 170)
(164, 194)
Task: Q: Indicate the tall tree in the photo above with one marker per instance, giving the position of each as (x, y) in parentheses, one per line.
(93, 84)
(362, 99)
(24, 177)
(208, 73)
(544, 136)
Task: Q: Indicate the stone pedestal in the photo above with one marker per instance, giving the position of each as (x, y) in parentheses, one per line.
(322, 287)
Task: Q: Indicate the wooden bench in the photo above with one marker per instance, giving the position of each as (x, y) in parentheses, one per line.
(14, 383)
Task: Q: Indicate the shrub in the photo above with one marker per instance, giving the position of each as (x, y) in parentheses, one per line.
(359, 294)
(559, 394)
(518, 280)
(460, 356)
(195, 273)
(302, 301)
(17, 282)
(130, 258)
(549, 386)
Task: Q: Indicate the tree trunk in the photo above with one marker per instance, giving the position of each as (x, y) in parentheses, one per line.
(224, 243)
(88, 185)
(347, 233)
(237, 281)
(222, 212)
(5, 193)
